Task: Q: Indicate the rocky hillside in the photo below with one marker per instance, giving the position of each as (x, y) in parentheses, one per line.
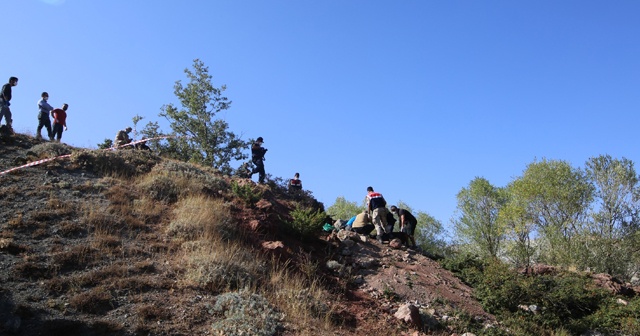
(127, 243)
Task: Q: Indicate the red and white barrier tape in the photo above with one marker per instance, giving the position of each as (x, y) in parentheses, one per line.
(35, 163)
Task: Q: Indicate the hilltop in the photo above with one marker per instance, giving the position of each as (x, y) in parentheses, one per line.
(129, 243)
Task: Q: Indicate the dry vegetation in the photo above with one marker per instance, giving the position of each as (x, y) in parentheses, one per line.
(119, 231)
(127, 243)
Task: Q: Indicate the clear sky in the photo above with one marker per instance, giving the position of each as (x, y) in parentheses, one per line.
(412, 97)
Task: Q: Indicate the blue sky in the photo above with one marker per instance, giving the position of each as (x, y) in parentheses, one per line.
(415, 98)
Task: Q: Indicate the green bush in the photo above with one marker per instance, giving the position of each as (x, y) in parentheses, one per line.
(565, 299)
(614, 318)
(500, 289)
(245, 314)
(465, 266)
(306, 223)
(246, 193)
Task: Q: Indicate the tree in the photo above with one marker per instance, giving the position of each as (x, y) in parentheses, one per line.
(479, 205)
(556, 197)
(615, 224)
(107, 143)
(201, 138)
(343, 209)
(519, 227)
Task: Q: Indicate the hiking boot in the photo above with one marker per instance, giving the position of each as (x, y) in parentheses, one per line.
(38, 137)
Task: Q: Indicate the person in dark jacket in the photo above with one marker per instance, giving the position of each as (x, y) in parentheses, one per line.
(5, 101)
(43, 116)
(295, 184)
(408, 222)
(257, 157)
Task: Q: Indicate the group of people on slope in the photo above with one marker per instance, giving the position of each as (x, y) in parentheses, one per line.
(378, 217)
(59, 119)
(45, 110)
(45, 113)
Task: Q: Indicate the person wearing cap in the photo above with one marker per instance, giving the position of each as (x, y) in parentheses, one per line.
(5, 98)
(43, 116)
(377, 207)
(59, 121)
(408, 221)
(257, 157)
(122, 137)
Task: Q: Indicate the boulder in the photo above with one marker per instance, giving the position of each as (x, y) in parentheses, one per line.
(410, 314)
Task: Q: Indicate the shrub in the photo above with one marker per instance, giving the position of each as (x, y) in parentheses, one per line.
(500, 289)
(246, 192)
(465, 266)
(245, 314)
(565, 300)
(306, 222)
(614, 318)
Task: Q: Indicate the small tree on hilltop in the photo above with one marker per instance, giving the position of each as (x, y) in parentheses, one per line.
(199, 137)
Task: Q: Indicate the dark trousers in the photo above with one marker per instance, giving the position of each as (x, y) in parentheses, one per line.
(6, 113)
(44, 121)
(259, 168)
(365, 230)
(57, 131)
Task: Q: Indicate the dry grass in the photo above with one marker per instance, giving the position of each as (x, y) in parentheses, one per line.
(96, 300)
(201, 217)
(222, 266)
(151, 312)
(172, 180)
(302, 300)
(75, 258)
(31, 270)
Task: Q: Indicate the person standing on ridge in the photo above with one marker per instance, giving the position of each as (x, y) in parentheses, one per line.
(5, 98)
(43, 116)
(257, 157)
(59, 121)
(377, 207)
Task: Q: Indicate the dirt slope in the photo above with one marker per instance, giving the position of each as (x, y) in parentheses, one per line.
(72, 261)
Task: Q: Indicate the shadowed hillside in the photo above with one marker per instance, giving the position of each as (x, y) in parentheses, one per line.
(128, 243)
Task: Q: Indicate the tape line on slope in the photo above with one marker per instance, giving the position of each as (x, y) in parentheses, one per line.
(35, 163)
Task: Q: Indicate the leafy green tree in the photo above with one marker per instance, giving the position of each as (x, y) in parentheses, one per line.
(557, 197)
(201, 138)
(136, 119)
(479, 205)
(152, 131)
(343, 209)
(519, 227)
(107, 143)
(615, 224)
